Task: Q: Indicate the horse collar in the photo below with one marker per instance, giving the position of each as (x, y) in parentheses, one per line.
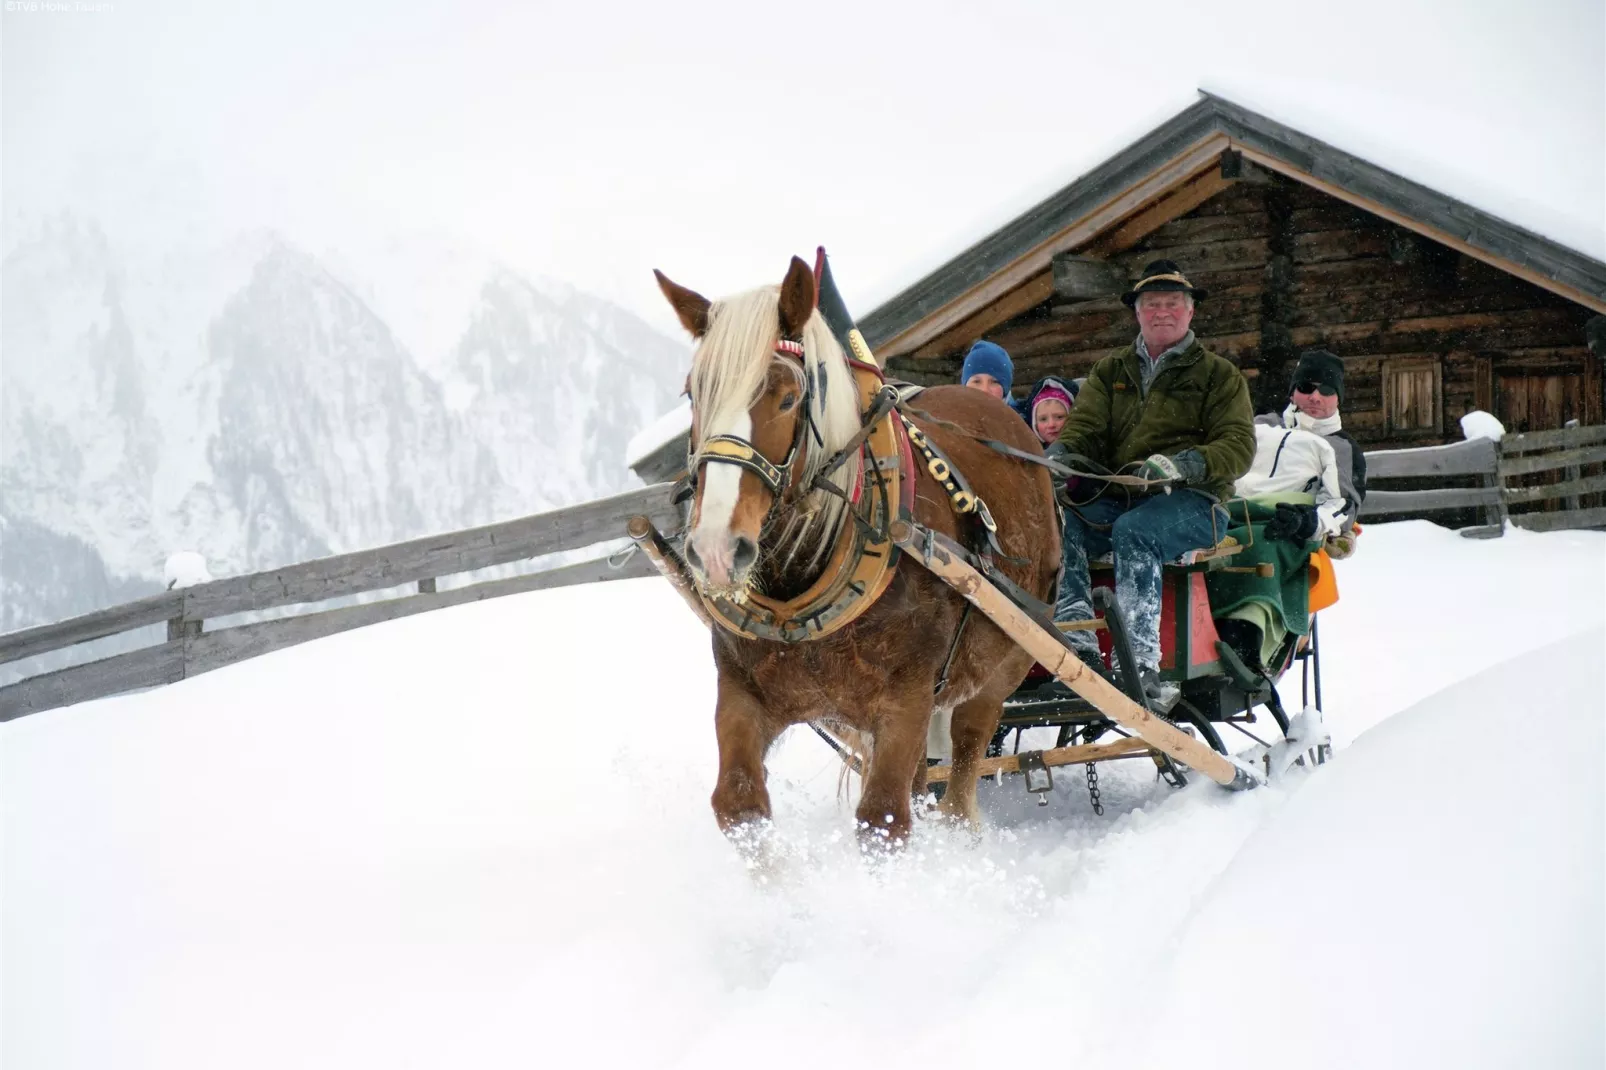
(863, 559)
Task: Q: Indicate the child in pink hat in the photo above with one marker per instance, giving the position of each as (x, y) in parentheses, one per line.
(1050, 404)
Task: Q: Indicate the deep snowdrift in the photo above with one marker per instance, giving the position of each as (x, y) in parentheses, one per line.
(481, 838)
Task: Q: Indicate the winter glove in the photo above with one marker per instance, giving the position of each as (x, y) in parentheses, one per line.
(1191, 464)
(1293, 523)
(1160, 469)
(1057, 451)
(1340, 546)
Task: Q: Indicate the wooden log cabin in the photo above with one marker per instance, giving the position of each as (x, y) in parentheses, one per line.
(1436, 308)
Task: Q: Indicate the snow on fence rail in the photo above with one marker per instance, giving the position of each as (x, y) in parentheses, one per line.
(191, 649)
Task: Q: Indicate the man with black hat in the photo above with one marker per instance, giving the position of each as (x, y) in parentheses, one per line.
(1177, 416)
(1314, 398)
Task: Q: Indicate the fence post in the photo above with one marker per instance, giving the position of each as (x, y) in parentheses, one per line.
(1494, 514)
(1571, 475)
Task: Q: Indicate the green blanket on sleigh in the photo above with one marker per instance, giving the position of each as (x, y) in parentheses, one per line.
(1277, 604)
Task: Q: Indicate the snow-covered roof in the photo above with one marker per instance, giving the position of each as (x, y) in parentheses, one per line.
(1176, 152)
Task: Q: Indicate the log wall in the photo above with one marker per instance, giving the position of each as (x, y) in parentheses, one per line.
(1420, 326)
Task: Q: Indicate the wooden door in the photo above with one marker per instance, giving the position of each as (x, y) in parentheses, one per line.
(1540, 401)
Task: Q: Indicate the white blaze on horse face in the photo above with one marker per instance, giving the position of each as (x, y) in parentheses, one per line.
(722, 485)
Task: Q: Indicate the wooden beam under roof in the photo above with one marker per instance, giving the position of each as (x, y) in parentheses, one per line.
(1148, 218)
(1030, 294)
(972, 306)
(1178, 202)
(1443, 237)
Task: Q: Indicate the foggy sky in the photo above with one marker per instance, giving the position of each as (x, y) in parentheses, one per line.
(595, 142)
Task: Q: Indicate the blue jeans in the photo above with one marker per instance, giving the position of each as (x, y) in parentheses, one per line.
(1144, 536)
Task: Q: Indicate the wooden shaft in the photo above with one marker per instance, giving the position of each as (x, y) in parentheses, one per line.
(1086, 752)
(1265, 570)
(667, 562)
(1067, 667)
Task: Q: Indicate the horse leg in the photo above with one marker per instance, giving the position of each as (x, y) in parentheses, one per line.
(900, 749)
(974, 723)
(745, 734)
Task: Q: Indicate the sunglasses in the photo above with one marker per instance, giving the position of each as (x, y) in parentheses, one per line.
(1308, 386)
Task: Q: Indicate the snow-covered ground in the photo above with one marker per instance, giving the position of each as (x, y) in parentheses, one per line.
(481, 838)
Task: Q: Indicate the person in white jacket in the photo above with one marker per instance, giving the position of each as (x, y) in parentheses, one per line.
(1307, 469)
(1297, 467)
(1316, 392)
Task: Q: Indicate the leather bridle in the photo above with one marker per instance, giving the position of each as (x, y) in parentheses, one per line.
(738, 451)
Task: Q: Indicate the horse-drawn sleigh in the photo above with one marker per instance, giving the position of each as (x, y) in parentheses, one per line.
(871, 564)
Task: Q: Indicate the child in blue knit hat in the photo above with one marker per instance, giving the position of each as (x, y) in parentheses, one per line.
(988, 369)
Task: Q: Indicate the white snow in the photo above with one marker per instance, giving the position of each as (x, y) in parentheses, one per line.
(1480, 424)
(481, 837)
(669, 426)
(185, 569)
(1431, 877)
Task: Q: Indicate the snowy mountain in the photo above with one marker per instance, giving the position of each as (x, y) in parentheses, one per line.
(245, 400)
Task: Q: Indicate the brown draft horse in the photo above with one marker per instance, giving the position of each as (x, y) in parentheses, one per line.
(878, 674)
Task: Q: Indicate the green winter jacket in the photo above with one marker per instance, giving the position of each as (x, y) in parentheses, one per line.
(1197, 401)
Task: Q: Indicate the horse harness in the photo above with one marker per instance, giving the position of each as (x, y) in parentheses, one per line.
(863, 557)
(735, 450)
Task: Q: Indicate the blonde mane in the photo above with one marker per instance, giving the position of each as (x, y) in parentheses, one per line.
(728, 373)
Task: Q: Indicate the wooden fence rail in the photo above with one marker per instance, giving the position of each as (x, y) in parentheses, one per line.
(191, 649)
(1504, 471)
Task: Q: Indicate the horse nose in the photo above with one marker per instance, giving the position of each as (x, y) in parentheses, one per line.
(746, 554)
(693, 558)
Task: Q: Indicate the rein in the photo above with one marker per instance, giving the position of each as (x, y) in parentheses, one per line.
(1068, 472)
(1064, 471)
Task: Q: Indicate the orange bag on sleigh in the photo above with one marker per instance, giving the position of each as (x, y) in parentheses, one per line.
(1323, 582)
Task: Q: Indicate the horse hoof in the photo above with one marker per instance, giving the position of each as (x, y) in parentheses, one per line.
(754, 840)
(882, 841)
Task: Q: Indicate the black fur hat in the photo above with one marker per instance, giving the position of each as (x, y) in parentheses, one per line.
(1319, 366)
(1160, 275)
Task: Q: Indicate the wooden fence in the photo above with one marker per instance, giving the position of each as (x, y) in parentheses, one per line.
(1540, 481)
(191, 648)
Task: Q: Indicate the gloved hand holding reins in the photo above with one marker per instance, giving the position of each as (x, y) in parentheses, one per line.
(1180, 469)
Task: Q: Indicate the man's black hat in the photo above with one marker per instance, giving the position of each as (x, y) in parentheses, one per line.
(1320, 366)
(1160, 275)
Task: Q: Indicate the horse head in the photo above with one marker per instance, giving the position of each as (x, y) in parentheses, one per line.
(771, 399)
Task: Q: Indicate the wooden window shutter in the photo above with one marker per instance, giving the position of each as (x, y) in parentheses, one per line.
(1413, 402)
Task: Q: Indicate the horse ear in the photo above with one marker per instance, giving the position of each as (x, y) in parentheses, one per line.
(797, 298)
(689, 305)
